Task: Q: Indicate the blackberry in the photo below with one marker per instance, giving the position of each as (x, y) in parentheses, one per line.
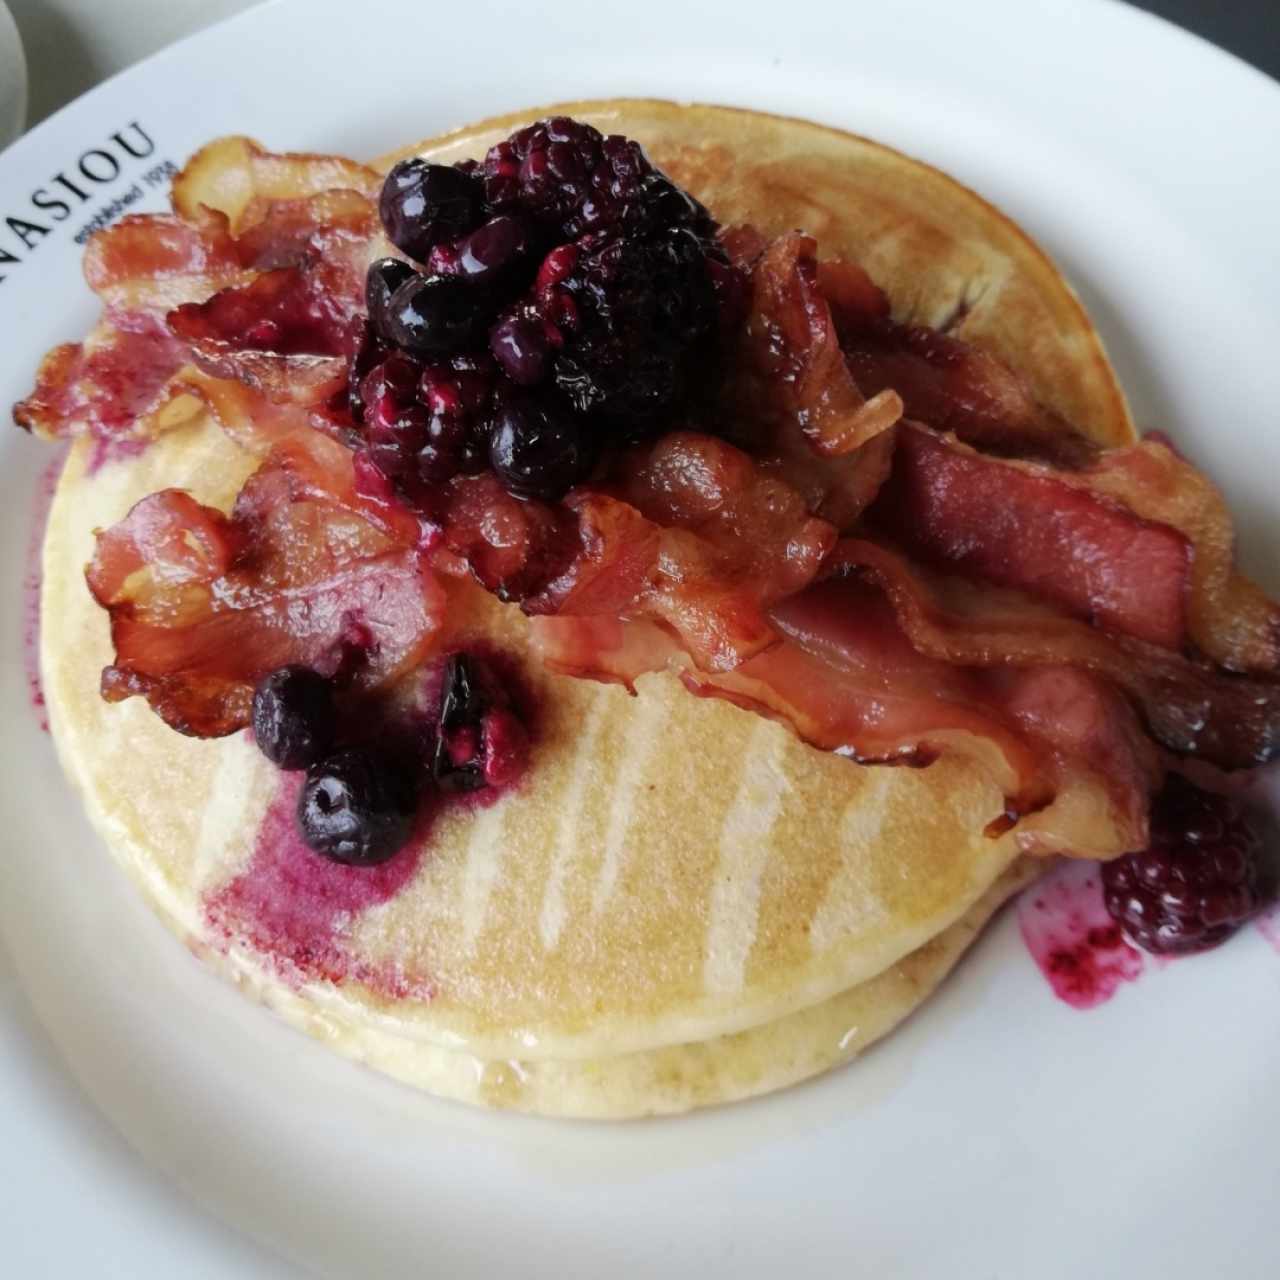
(357, 806)
(479, 740)
(573, 180)
(569, 295)
(644, 308)
(294, 716)
(1201, 878)
(543, 169)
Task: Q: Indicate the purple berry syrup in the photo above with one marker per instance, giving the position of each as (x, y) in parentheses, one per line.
(46, 486)
(301, 909)
(1078, 947)
(1268, 924)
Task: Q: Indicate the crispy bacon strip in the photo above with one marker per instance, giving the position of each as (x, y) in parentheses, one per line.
(1026, 526)
(116, 385)
(1067, 751)
(203, 604)
(796, 344)
(731, 541)
(1187, 705)
(950, 384)
(1139, 543)
(1228, 617)
(692, 534)
(239, 212)
(241, 179)
(791, 396)
(282, 231)
(282, 334)
(148, 263)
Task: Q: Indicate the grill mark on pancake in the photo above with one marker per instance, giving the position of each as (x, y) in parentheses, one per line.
(745, 845)
(486, 849)
(643, 736)
(567, 844)
(849, 895)
(230, 808)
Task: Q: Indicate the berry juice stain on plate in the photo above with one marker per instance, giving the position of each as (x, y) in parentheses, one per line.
(1205, 874)
(1073, 939)
(31, 581)
(1268, 924)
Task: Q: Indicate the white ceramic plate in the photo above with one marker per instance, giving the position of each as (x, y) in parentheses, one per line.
(1000, 1133)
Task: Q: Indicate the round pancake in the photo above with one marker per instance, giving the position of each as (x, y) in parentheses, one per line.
(672, 867)
(653, 1082)
(674, 870)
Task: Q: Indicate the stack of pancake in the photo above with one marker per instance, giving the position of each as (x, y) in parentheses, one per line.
(681, 904)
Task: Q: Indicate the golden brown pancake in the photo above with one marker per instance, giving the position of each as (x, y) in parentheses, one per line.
(682, 900)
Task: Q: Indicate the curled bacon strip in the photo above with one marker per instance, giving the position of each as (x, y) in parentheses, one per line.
(1024, 525)
(1188, 705)
(1069, 754)
(693, 535)
(117, 385)
(241, 179)
(792, 392)
(1228, 617)
(732, 540)
(1139, 543)
(795, 337)
(147, 263)
(943, 381)
(202, 604)
(239, 212)
(279, 334)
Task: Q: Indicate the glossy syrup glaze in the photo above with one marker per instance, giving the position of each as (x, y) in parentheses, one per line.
(1076, 945)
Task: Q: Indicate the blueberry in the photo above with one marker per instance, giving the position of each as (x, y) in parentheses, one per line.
(294, 718)
(433, 315)
(422, 204)
(383, 278)
(537, 452)
(491, 250)
(519, 345)
(357, 806)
